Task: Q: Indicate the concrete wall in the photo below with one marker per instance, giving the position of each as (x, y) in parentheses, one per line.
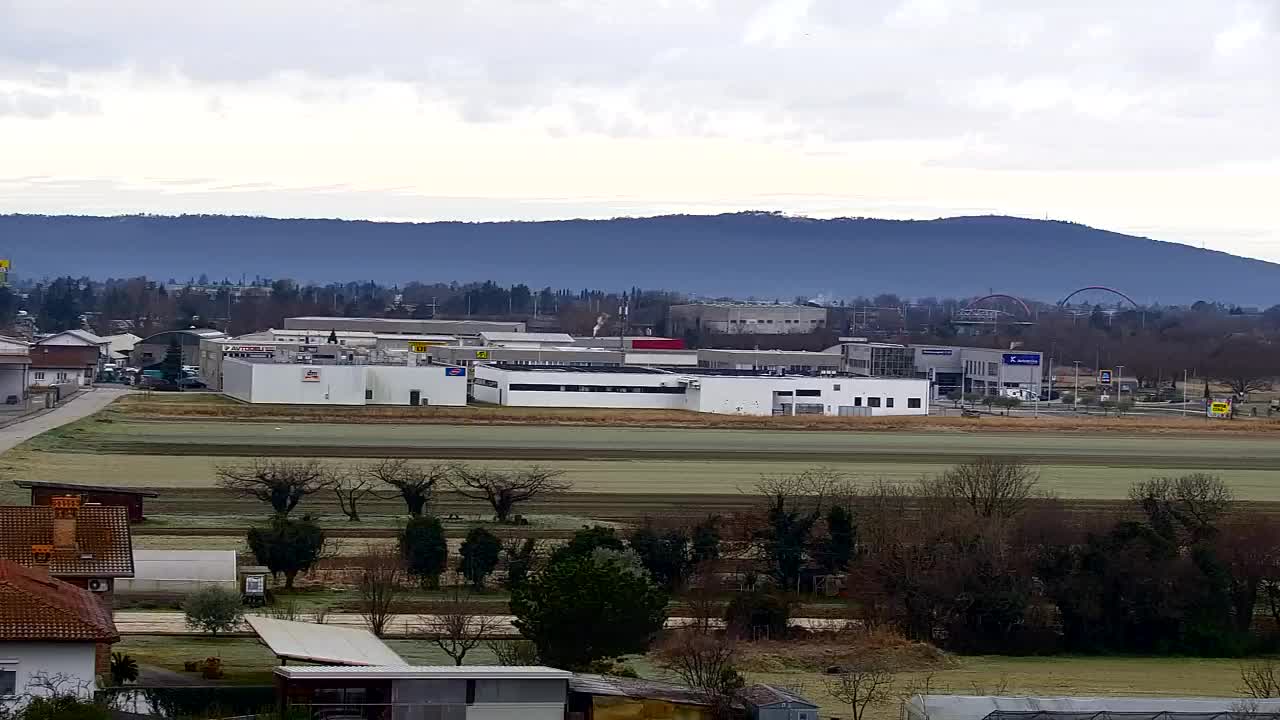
(281, 383)
(74, 659)
(391, 385)
(534, 398)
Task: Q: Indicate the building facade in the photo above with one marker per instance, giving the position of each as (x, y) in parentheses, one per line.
(984, 371)
(151, 350)
(445, 693)
(721, 392)
(269, 382)
(771, 361)
(745, 319)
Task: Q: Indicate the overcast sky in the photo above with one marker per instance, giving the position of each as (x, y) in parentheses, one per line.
(1156, 117)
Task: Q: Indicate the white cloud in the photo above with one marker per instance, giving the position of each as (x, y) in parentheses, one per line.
(580, 107)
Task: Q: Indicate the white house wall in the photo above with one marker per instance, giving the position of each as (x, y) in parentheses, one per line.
(74, 660)
(756, 396)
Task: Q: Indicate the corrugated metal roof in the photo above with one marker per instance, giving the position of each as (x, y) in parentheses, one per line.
(762, 695)
(325, 644)
(415, 672)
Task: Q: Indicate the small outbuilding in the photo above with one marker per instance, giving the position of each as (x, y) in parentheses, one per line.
(767, 702)
(42, 494)
(178, 573)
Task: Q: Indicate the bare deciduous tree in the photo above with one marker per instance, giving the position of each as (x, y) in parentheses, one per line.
(503, 489)
(380, 585)
(457, 628)
(351, 488)
(702, 660)
(414, 483)
(281, 483)
(1260, 680)
(1195, 502)
(861, 688)
(989, 487)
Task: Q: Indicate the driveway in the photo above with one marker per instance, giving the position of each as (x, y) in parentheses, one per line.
(84, 404)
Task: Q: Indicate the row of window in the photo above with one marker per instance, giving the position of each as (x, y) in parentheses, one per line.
(40, 375)
(649, 389)
(976, 367)
(912, 403)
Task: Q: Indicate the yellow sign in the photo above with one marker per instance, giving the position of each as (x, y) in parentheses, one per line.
(419, 347)
(4, 265)
(1219, 409)
(482, 354)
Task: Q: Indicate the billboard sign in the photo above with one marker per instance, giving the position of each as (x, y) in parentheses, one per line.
(311, 375)
(936, 351)
(1022, 358)
(248, 348)
(482, 354)
(1104, 377)
(1220, 409)
(455, 372)
(418, 347)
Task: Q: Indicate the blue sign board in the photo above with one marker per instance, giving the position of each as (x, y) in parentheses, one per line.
(455, 372)
(1021, 358)
(1104, 377)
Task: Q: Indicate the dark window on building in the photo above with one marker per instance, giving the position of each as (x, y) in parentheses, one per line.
(836, 387)
(808, 393)
(873, 401)
(857, 402)
(368, 394)
(888, 402)
(913, 403)
(8, 682)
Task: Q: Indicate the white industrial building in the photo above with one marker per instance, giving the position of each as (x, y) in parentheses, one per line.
(697, 391)
(985, 371)
(267, 381)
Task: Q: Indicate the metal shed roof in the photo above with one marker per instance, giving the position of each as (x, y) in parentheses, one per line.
(426, 672)
(325, 644)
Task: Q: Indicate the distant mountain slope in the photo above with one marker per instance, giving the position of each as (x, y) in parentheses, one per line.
(741, 254)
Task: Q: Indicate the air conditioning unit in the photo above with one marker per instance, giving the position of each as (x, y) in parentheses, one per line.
(98, 585)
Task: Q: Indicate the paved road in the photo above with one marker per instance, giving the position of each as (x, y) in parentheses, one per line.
(85, 404)
(130, 622)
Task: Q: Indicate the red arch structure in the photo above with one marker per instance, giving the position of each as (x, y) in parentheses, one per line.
(1019, 301)
(1113, 291)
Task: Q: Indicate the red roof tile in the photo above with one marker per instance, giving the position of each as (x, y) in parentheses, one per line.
(102, 532)
(34, 606)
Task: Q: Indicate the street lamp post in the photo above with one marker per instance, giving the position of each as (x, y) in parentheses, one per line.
(1184, 392)
(1119, 386)
(1075, 396)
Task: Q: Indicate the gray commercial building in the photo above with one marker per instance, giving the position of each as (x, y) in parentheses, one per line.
(786, 362)
(985, 371)
(745, 319)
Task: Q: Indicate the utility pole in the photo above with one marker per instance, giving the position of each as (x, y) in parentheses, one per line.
(1184, 392)
(1119, 386)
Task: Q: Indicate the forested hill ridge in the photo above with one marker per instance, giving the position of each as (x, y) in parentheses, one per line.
(763, 255)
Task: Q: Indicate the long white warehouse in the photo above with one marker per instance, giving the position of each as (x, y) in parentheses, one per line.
(301, 384)
(698, 391)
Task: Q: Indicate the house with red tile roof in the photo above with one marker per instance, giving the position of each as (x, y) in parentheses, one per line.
(83, 544)
(50, 631)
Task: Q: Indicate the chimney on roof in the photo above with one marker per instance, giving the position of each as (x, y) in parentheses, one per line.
(65, 510)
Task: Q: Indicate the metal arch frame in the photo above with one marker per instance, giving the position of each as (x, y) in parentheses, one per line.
(1113, 291)
(1024, 306)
